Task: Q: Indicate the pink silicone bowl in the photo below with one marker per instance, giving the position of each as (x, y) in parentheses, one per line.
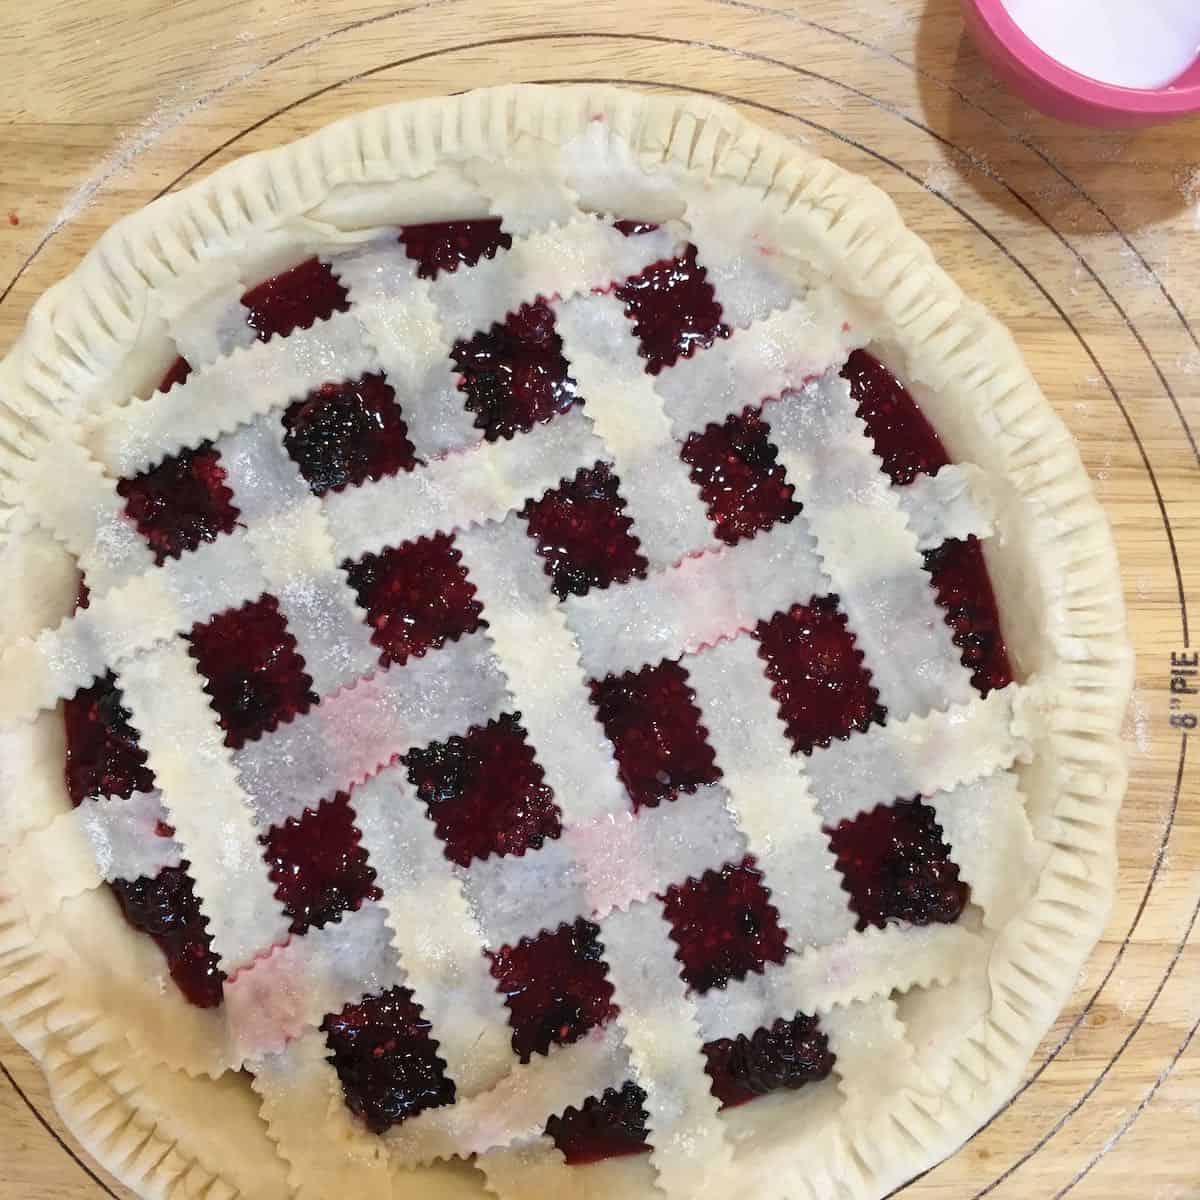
(1060, 92)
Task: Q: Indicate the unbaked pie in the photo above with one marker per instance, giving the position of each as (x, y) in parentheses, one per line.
(547, 651)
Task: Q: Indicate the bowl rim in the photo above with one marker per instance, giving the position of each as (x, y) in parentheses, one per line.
(1031, 58)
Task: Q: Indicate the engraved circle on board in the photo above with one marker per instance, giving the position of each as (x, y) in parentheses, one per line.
(806, 121)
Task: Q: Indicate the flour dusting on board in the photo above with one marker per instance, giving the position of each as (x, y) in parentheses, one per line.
(168, 113)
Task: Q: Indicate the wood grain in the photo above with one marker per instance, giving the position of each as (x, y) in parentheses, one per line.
(1086, 244)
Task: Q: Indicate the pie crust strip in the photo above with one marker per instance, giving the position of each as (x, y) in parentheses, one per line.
(628, 416)
(220, 396)
(350, 735)
(211, 814)
(868, 550)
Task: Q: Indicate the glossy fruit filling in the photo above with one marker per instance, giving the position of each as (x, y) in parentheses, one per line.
(514, 375)
(346, 433)
(821, 686)
(416, 596)
(724, 925)
(318, 866)
(485, 792)
(387, 1060)
(447, 245)
(608, 1126)
(904, 439)
(896, 867)
(181, 502)
(673, 308)
(785, 1056)
(744, 487)
(652, 721)
(294, 299)
(964, 589)
(253, 676)
(581, 530)
(555, 985)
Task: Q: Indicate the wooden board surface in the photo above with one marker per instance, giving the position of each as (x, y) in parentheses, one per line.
(1087, 244)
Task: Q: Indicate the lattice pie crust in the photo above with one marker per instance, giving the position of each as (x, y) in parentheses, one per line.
(929, 1024)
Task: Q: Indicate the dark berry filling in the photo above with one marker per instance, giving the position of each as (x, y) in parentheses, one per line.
(904, 439)
(294, 299)
(103, 757)
(318, 866)
(179, 370)
(445, 245)
(744, 487)
(416, 596)
(964, 590)
(896, 867)
(674, 310)
(386, 1059)
(581, 530)
(167, 909)
(181, 502)
(822, 688)
(609, 1126)
(787, 1055)
(556, 987)
(485, 792)
(255, 678)
(514, 375)
(347, 433)
(651, 719)
(725, 925)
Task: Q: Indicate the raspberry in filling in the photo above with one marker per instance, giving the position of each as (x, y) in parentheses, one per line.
(964, 590)
(744, 487)
(896, 867)
(609, 1126)
(485, 793)
(555, 985)
(822, 688)
(445, 245)
(904, 439)
(787, 1055)
(724, 925)
(181, 502)
(417, 596)
(347, 433)
(294, 299)
(581, 530)
(514, 376)
(654, 725)
(103, 757)
(673, 308)
(386, 1059)
(255, 678)
(318, 866)
(167, 909)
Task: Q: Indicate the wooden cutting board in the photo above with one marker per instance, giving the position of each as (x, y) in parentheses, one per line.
(1086, 244)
